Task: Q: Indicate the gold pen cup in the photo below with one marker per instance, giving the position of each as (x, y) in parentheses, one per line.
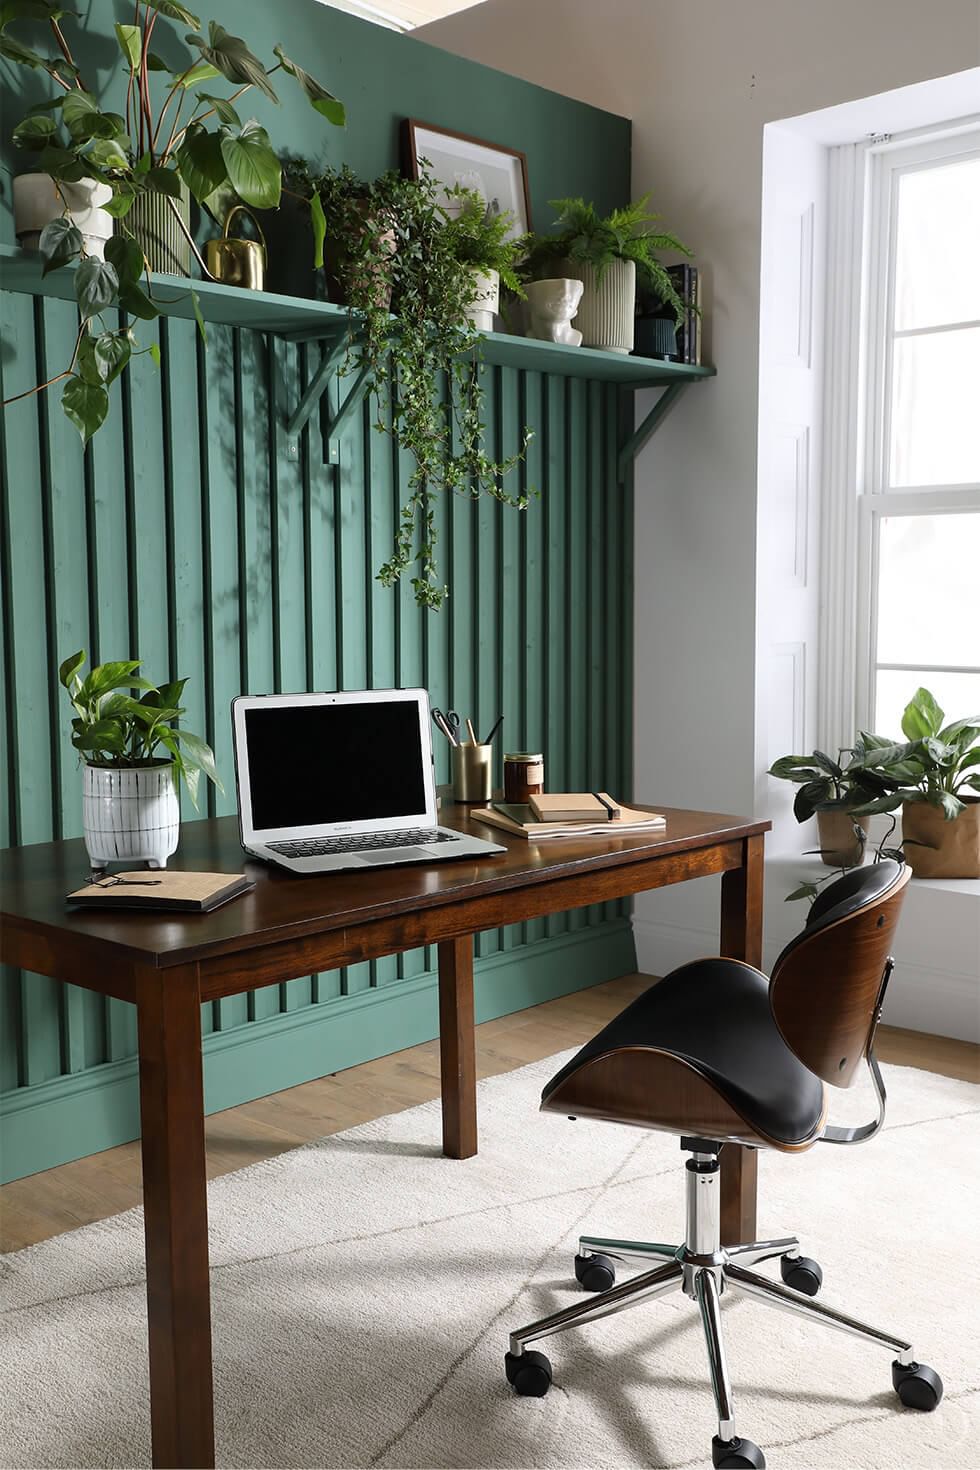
(472, 773)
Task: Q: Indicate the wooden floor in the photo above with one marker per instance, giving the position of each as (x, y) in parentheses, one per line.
(90, 1189)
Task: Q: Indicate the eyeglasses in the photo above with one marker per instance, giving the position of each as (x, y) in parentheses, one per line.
(112, 880)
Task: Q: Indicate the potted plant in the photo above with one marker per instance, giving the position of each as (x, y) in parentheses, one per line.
(934, 778)
(173, 140)
(134, 756)
(482, 242)
(610, 257)
(410, 355)
(835, 791)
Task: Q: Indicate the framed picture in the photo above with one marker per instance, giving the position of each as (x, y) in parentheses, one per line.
(498, 174)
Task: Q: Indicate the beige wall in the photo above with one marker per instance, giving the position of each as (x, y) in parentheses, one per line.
(700, 81)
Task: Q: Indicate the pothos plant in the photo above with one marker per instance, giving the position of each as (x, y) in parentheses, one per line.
(173, 134)
(390, 245)
(111, 727)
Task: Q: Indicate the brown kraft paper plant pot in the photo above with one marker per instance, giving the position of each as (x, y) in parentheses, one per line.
(935, 848)
(840, 847)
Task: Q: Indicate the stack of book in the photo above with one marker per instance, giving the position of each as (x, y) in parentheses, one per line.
(687, 284)
(569, 814)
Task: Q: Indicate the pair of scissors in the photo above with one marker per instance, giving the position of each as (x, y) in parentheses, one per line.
(448, 724)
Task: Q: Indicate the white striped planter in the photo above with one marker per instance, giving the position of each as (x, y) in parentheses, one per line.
(130, 814)
(486, 302)
(607, 313)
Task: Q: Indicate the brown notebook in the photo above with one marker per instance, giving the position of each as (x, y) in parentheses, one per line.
(148, 889)
(574, 806)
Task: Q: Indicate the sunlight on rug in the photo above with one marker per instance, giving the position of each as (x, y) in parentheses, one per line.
(364, 1286)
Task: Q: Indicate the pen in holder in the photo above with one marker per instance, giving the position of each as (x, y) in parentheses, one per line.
(472, 772)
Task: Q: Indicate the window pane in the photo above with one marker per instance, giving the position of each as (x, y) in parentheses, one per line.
(958, 696)
(929, 590)
(938, 246)
(935, 421)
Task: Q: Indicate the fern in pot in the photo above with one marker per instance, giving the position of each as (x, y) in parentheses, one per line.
(485, 244)
(610, 256)
(133, 757)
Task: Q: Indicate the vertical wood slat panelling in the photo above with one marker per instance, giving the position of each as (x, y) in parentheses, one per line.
(188, 536)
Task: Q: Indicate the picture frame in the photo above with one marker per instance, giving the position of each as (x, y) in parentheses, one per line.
(498, 173)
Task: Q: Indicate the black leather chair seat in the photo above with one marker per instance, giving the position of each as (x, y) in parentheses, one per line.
(715, 1014)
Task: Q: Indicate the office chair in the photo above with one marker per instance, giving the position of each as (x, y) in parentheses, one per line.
(719, 1054)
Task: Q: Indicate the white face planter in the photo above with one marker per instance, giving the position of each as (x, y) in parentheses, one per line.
(551, 305)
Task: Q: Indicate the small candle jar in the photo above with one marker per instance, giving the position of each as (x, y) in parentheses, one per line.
(523, 775)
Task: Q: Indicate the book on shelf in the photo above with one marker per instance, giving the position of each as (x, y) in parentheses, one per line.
(519, 819)
(687, 284)
(574, 806)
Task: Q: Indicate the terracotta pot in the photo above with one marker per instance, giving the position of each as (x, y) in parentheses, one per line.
(840, 846)
(935, 848)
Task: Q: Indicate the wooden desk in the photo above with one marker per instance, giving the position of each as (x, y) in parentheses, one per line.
(166, 965)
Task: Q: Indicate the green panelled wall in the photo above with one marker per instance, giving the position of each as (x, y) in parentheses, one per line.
(187, 536)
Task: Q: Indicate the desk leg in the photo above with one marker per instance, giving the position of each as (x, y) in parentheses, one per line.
(176, 1219)
(741, 939)
(457, 1048)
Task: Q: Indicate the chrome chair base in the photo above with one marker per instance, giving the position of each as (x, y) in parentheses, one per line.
(704, 1269)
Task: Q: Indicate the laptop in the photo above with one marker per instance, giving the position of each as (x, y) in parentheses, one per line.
(334, 781)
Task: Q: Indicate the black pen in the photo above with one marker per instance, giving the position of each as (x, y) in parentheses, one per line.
(500, 721)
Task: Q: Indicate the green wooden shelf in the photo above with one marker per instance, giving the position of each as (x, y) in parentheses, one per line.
(298, 319)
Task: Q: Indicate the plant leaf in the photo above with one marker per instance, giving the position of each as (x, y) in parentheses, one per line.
(96, 286)
(70, 667)
(76, 107)
(130, 40)
(86, 404)
(121, 203)
(201, 163)
(223, 108)
(60, 242)
(196, 752)
(319, 229)
(101, 735)
(922, 716)
(133, 298)
(127, 257)
(173, 11)
(253, 167)
(23, 55)
(112, 352)
(163, 181)
(198, 316)
(233, 58)
(35, 132)
(321, 100)
(805, 890)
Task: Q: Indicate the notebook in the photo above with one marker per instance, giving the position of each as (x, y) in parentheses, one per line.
(190, 892)
(574, 806)
(519, 819)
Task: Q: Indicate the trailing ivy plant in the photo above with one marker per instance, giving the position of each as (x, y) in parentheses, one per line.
(111, 727)
(581, 235)
(173, 134)
(390, 251)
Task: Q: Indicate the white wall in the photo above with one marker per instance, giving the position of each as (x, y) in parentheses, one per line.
(718, 613)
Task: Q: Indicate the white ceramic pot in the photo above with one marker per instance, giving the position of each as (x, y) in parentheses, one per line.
(37, 202)
(607, 313)
(130, 814)
(486, 303)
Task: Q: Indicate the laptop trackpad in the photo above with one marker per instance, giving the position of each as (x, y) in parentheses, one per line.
(395, 854)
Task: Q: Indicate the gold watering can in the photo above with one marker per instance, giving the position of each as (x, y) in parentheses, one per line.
(238, 262)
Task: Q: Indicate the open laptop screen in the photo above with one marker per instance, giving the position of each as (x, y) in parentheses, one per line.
(322, 763)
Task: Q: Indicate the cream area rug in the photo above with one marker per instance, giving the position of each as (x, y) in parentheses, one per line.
(364, 1286)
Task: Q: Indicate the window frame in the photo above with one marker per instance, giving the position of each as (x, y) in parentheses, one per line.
(857, 430)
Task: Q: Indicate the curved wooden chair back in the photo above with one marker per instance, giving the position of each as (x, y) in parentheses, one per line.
(826, 987)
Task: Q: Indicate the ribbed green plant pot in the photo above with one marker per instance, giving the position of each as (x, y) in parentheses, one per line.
(151, 221)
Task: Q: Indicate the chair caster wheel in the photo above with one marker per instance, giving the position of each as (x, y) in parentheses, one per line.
(918, 1386)
(801, 1274)
(736, 1454)
(596, 1273)
(529, 1373)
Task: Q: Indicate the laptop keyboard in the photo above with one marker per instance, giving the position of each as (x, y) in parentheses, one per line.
(365, 842)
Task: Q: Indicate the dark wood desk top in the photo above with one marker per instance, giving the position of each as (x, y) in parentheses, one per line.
(34, 881)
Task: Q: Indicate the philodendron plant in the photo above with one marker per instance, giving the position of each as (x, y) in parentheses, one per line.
(937, 763)
(848, 783)
(173, 134)
(112, 727)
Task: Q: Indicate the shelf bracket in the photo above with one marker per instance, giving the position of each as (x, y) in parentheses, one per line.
(334, 427)
(648, 427)
(315, 390)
